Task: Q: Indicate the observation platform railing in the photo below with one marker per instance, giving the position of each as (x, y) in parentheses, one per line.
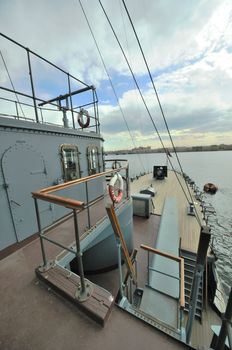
(64, 103)
(47, 194)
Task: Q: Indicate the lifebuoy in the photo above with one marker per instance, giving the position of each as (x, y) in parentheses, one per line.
(114, 198)
(116, 165)
(82, 113)
(210, 188)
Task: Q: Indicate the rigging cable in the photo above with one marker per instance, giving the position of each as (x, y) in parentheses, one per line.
(158, 100)
(111, 83)
(144, 102)
(5, 65)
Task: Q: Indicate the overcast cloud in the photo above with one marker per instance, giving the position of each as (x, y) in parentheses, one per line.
(188, 46)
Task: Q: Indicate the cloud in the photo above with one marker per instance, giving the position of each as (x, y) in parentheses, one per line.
(188, 46)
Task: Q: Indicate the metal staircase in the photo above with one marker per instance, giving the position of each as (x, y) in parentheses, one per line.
(189, 267)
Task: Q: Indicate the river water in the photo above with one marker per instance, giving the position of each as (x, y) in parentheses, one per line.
(203, 167)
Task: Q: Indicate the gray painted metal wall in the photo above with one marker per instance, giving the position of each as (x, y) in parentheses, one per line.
(30, 160)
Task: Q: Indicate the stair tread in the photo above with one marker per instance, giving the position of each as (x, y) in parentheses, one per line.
(190, 283)
(188, 291)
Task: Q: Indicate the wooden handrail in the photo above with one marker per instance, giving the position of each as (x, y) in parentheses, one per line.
(175, 258)
(159, 252)
(78, 181)
(45, 193)
(66, 202)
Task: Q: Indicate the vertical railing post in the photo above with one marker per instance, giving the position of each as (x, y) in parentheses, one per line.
(97, 113)
(78, 252)
(148, 269)
(127, 181)
(225, 328)
(199, 270)
(40, 233)
(120, 268)
(84, 290)
(17, 110)
(41, 114)
(87, 201)
(70, 98)
(32, 86)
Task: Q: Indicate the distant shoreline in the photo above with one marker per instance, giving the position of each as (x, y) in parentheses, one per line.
(147, 150)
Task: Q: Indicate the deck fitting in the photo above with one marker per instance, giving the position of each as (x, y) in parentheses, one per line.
(83, 295)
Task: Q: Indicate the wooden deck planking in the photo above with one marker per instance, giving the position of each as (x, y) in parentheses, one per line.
(99, 304)
(189, 232)
(170, 187)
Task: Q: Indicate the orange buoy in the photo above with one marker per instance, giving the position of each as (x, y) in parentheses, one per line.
(210, 188)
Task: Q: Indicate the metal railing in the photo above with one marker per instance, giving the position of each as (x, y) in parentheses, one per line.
(171, 257)
(37, 103)
(226, 328)
(47, 194)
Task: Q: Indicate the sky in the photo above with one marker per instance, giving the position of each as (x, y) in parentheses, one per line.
(187, 44)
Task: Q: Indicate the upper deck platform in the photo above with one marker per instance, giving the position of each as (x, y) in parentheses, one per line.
(48, 94)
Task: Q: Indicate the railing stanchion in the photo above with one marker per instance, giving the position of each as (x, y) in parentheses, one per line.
(120, 268)
(226, 327)
(40, 233)
(148, 269)
(84, 289)
(87, 201)
(17, 110)
(32, 86)
(70, 99)
(78, 252)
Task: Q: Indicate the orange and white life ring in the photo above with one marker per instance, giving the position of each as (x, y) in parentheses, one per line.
(82, 113)
(114, 198)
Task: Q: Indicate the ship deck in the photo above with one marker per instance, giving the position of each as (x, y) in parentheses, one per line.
(189, 233)
(169, 187)
(34, 317)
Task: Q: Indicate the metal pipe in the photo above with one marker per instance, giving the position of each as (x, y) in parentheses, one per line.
(199, 270)
(79, 253)
(192, 305)
(40, 232)
(87, 200)
(70, 98)
(43, 59)
(163, 273)
(16, 106)
(32, 86)
(130, 289)
(120, 268)
(127, 181)
(63, 97)
(148, 270)
(58, 244)
(94, 107)
(226, 320)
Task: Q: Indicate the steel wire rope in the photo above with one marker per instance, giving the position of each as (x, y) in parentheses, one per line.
(5, 65)
(111, 83)
(159, 103)
(144, 102)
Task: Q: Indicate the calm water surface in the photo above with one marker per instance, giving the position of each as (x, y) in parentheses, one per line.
(203, 167)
